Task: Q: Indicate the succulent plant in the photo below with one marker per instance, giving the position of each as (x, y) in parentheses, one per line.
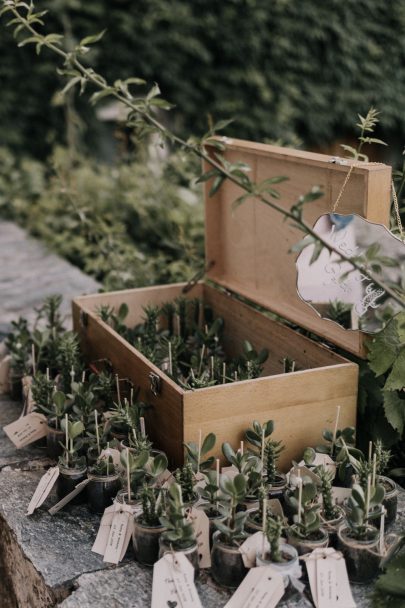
(179, 533)
(233, 493)
(306, 517)
(362, 509)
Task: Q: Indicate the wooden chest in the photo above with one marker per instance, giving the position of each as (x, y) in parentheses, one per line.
(248, 250)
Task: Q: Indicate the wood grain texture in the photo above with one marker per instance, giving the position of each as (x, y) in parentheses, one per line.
(164, 421)
(301, 404)
(251, 246)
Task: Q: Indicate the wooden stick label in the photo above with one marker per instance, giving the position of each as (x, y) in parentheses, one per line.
(26, 430)
(62, 503)
(43, 489)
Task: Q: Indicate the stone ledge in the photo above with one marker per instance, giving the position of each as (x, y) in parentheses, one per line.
(47, 561)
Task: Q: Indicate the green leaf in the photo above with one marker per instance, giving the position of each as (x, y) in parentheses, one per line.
(228, 452)
(394, 409)
(217, 183)
(208, 443)
(76, 429)
(383, 349)
(206, 176)
(59, 400)
(239, 483)
(92, 39)
(396, 379)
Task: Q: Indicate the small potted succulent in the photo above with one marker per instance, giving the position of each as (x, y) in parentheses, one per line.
(55, 409)
(390, 502)
(209, 493)
(250, 466)
(179, 533)
(185, 478)
(269, 450)
(306, 534)
(357, 539)
(147, 526)
(135, 475)
(18, 343)
(332, 516)
(254, 522)
(227, 567)
(340, 446)
(281, 556)
(72, 467)
(69, 360)
(104, 483)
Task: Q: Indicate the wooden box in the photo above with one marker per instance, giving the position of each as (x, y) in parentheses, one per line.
(249, 249)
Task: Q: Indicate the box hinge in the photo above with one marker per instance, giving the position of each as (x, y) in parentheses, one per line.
(84, 319)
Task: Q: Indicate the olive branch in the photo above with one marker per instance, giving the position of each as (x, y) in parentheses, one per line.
(142, 118)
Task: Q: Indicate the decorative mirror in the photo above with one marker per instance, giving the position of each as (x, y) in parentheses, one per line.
(339, 292)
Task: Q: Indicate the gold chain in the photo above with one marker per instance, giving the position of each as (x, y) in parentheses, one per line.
(394, 198)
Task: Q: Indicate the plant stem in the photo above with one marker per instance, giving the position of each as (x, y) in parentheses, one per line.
(91, 76)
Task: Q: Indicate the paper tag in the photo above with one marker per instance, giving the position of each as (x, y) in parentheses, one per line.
(261, 588)
(275, 506)
(43, 489)
(5, 374)
(340, 494)
(117, 536)
(328, 579)
(251, 546)
(165, 479)
(115, 455)
(201, 527)
(173, 583)
(62, 503)
(230, 472)
(306, 472)
(103, 533)
(26, 430)
(326, 583)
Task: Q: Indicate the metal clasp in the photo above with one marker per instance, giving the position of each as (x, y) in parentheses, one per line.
(155, 383)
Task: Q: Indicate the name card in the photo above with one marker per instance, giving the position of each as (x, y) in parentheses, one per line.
(27, 429)
(43, 489)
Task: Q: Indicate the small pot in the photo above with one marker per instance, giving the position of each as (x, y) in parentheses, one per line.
(227, 567)
(332, 526)
(362, 557)
(101, 491)
(277, 489)
(250, 503)
(285, 567)
(190, 552)
(145, 541)
(390, 501)
(319, 540)
(122, 498)
(16, 388)
(68, 480)
(54, 437)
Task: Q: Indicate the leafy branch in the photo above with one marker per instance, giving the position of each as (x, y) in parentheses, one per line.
(142, 118)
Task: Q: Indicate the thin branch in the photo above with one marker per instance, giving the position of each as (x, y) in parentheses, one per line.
(93, 78)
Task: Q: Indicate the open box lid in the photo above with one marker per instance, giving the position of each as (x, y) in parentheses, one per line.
(250, 245)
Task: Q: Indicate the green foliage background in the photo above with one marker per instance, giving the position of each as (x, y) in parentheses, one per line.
(284, 69)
